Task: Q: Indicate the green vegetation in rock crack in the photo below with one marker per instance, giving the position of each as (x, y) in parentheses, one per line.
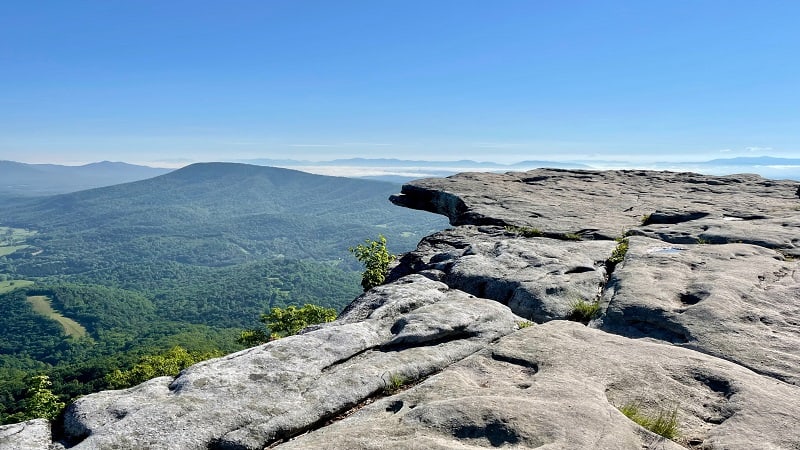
(619, 251)
(583, 311)
(169, 363)
(283, 322)
(40, 402)
(525, 231)
(701, 241)
(645, 219)
(524, 324)
(664, 423)
(376, 259)
(393, 383)
(572, 237)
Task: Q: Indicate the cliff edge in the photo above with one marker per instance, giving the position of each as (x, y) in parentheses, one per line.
(558, 298)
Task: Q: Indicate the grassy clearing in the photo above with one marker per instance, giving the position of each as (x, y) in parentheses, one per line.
(10, 236)
(10, 285)
(13, 239)
(41, 304)
(9, 249)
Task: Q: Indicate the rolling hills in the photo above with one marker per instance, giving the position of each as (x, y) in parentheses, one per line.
(25, 180)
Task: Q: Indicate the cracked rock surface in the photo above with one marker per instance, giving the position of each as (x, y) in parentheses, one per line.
(469, 345)
(558, 385)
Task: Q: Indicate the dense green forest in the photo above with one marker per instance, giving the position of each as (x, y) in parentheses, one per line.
(92, 282)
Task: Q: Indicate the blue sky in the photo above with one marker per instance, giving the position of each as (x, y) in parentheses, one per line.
(166, 82)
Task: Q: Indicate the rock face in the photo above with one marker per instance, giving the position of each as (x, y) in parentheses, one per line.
(31, 435)
(697, 296)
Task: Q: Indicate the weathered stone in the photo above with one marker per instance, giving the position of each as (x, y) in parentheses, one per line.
(538, 278)
(604, 204)
(31, 435)
(559, 385)
(739, 302)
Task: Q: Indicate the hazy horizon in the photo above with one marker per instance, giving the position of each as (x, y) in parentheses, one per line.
(766, 166)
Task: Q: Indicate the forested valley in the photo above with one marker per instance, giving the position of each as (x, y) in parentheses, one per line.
(95, 282)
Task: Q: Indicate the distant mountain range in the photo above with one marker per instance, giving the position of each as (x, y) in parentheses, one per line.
(755, 161)
(401, 171)
(211, 243)
(20, 179)
(223, 213)
(766, 166)
(392, 162)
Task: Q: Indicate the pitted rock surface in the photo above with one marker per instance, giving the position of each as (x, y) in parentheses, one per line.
(701, 317)
(538, 278)
(559, 385)
(739, 302)
(675, 207)
(30, 435)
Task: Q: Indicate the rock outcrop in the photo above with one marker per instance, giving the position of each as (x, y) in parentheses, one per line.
(469, 344)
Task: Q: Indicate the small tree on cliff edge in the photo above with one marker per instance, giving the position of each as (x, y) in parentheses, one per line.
(283, 322)
(376, 259)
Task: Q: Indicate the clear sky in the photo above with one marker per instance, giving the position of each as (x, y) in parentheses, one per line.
(177, 81)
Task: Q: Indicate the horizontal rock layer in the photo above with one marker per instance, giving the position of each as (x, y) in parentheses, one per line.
(468, 345)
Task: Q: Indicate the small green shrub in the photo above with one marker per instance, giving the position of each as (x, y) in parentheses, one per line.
(572, 237)
(619, 251)
(645, 219)
(288, 321)
(283, 322)
(583, 311)
(168, 363)
(665, 423)
(524, 324)
(376, 259)
(393, 384)
(525, 231)
(253, 337)
(41, 403)
(701, 241)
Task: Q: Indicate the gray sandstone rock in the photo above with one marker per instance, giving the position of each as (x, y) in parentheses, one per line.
(30, 435)
(559, 386)
(537, 277)
(679, 207)
(738, 302)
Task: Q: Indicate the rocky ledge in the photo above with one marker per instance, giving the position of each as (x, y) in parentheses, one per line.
(558, 298)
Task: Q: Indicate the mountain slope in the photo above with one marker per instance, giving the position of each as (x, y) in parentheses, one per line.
(20, 179)
(220, 213)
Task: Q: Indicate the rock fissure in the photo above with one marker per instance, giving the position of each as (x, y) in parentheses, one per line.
(349, 358)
